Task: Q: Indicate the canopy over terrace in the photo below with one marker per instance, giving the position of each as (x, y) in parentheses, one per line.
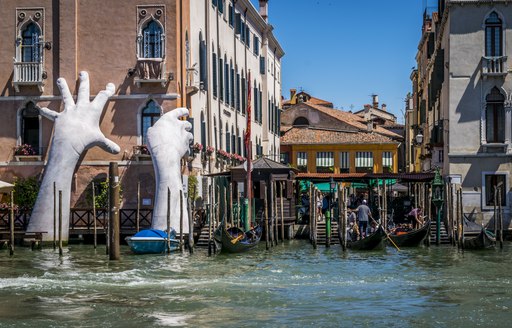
(5, 187)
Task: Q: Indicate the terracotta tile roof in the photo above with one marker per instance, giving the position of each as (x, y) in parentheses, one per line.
(320, 102)
(354, 120)
(294, 136)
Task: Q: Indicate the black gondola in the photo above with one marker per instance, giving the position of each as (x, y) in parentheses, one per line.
(484, 240)
(373, 241)
(235, 240)
(412, 238)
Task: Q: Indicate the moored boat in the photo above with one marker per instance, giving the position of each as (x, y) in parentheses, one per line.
(411, 238)
(235, 240)
(152, 241)
(373, 241)
(484, 240)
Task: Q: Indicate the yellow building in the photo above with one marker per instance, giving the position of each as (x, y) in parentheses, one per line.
(318, 139)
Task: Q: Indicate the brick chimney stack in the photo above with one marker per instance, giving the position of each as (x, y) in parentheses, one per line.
(375, 101)
(384, 107)
(264, 9)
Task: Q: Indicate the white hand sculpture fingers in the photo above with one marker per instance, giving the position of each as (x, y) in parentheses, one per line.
(49, 114)
(178, 113)
(84, 88)
(187, 126)
(102, 97)
(66, 94)
(109, 146)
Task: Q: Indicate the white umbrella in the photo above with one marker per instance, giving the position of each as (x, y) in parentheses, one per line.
(5, 187)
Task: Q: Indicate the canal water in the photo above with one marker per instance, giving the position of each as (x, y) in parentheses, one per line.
(292, 285)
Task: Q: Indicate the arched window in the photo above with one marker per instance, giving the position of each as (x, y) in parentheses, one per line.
(30, 127)
(495, 117)
(152, 40)
(301, 121)
(150, 114)
(493, 36)
(30, 45)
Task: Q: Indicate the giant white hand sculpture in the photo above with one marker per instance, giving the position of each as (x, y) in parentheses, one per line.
(76, 129)
(169, 140)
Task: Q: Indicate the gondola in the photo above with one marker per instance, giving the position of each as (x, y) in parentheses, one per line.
(411, 238)
(373, 241)
(484, 240)
(235, 240)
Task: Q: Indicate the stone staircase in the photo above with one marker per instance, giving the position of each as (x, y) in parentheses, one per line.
(203, 237)
(445, 239)
(320, 233)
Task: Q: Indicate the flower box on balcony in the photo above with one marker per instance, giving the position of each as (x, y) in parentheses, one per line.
(150, 70)
(27, 158)
(141, 153)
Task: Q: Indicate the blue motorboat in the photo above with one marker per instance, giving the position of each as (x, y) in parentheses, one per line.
(152, 241)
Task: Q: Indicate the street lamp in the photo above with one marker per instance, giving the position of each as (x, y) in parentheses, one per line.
(438, 200)
(419, 138)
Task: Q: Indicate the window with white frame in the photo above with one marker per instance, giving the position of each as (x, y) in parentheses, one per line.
(495, 117)
(493, 35)
(387, 162)
(364, 162)
(325, 162)
(344, 162)
(152, 40)
(30, 129)
(302, 161)
(149, 115)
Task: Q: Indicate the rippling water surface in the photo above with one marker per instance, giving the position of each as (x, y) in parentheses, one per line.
(292, 285)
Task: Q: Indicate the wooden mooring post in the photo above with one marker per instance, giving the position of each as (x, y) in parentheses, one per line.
(95, 230)
(266, 220)
(114, 233)
(190, 227)
(54, 215)
(315, 245)
(461, 209)
(275, 214)
(137, 218)
(60, 223)
(168, 220)
(11, 225)
(282, 211)
(209, 213)
(181, 220)
(500, 215)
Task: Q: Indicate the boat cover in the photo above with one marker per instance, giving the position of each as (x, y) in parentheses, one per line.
(155, 233)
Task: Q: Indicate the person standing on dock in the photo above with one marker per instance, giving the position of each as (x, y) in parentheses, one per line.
(415, 215)
(363, 214)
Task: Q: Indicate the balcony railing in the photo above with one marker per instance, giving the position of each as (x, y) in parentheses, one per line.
(28, 73)
(151, 70)
(494, 66)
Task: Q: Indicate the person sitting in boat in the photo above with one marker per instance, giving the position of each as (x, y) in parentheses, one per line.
(352, 231)
(415, 215)
(363, 214)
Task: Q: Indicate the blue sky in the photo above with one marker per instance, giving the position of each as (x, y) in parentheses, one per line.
(345, 51)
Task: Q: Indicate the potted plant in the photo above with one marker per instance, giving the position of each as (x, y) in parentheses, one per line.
(197, 148)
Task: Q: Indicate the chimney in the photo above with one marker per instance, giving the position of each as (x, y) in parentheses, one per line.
(384, 107)
(264, 10)
(292, 93)
(369, 125)
(375, 101)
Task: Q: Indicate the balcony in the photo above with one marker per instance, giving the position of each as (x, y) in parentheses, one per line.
(494, 66)
(150, 70)
(141, 153)
(191, 83)
(28, 73)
